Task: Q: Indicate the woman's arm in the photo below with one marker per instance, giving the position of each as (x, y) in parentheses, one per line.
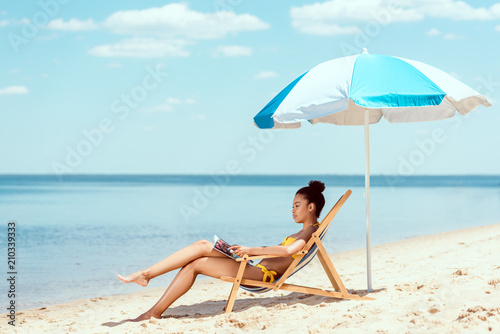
(279, 250)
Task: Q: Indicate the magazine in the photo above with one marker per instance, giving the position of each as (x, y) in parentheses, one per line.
(223, 247)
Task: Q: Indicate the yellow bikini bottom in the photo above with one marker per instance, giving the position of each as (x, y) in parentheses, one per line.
(267, 273)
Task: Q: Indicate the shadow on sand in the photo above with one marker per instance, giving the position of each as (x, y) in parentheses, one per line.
(212, 308)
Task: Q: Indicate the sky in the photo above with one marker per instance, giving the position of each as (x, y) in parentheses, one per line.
(165, 87)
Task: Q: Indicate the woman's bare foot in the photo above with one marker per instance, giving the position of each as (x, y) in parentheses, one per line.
(138, 277)
(145, 316)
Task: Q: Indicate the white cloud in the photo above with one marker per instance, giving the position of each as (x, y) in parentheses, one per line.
(173, 100)
(324, 28)
(188, 100)
(197, 117)
(142, 48)
(165, 31)
(497, 28)
(46, 37)
(147, 128)
(72, 25)
(44, 75)
(459, 10)
(433, 32)
(14, 71)
(449, 36)
(177, 20)
(453, 36)
(158, 108)
(333, 17)
(4, 23)
(232, 51)
(170, 105)
(265, 75)
(114, 65)
(336, 17)
(24, 20)
(14, 90)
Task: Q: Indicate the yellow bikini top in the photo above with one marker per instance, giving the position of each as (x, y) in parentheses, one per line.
(288, 240)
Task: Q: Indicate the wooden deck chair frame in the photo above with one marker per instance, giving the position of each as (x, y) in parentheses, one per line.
(340, 290)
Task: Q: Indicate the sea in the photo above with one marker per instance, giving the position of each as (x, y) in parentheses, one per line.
(74, 233)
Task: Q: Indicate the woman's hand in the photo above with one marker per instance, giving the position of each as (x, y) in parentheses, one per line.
(241, 250)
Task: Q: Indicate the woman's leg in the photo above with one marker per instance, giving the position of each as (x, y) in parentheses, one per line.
(201, 248)
(210, 266)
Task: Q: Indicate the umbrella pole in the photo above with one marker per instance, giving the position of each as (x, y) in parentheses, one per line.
(367, 199)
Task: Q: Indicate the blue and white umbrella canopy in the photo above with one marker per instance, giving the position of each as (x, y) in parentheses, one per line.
(338, 91)
(359, 90)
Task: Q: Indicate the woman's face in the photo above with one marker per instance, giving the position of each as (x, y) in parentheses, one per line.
(300, 209)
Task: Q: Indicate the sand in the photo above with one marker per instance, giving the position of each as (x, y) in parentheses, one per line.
(444, 283)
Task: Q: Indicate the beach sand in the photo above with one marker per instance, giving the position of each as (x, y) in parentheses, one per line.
(444, 283)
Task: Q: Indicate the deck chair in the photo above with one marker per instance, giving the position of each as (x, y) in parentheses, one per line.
(313, 246)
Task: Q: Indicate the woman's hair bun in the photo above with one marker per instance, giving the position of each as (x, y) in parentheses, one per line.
(314, 194)
(317, 185)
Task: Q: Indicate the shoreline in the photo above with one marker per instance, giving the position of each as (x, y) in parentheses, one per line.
(445, 282)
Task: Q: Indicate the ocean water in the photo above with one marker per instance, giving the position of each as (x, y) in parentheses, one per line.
(75, 234)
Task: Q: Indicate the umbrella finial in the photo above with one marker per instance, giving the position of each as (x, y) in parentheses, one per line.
(364, 51)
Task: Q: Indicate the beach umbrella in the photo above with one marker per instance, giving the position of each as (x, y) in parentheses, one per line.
(359, 90)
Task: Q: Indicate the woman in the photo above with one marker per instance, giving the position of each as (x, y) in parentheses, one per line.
(202, 258)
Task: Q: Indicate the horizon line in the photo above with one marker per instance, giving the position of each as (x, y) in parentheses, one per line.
(233, 175)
